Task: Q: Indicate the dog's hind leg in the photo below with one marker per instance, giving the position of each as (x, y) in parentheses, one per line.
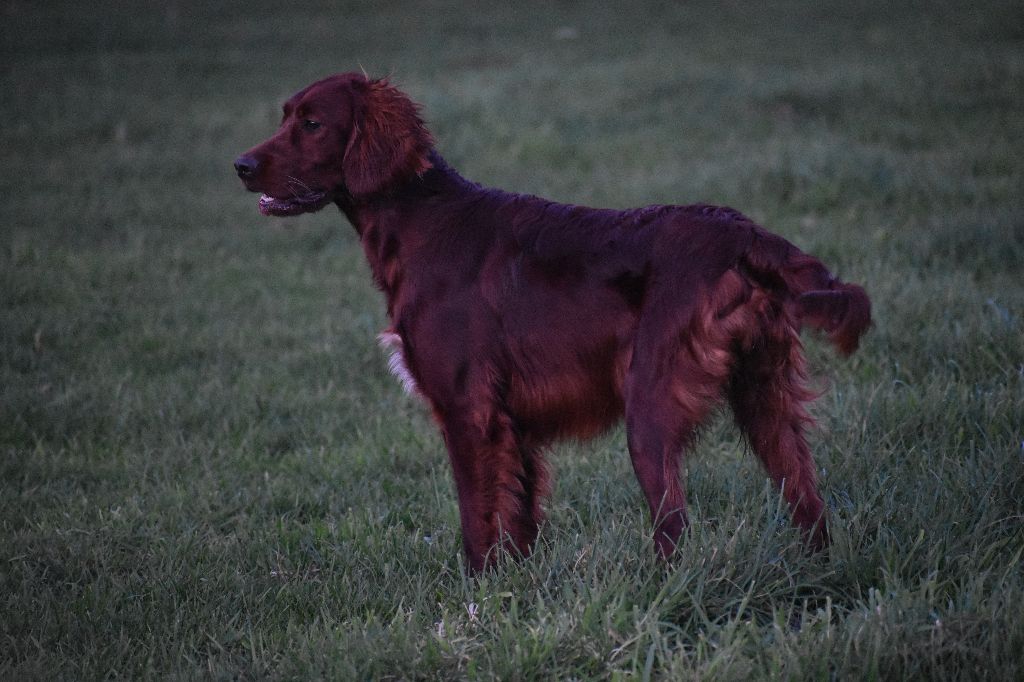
(767, 395)
(655, 435)
(672, 385)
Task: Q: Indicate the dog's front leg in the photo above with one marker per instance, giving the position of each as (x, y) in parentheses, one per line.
(497, 482)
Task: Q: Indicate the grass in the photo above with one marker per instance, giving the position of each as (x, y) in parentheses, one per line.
(205, 470)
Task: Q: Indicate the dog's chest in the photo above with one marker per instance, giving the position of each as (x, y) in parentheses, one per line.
(391, 342)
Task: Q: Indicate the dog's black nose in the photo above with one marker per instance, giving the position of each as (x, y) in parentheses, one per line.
(246, 166)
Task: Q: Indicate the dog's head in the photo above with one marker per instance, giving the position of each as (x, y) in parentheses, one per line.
(343, 136)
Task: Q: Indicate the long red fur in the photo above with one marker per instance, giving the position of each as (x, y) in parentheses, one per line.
(521, 320)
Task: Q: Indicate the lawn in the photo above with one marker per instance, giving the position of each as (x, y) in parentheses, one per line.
(206, 471)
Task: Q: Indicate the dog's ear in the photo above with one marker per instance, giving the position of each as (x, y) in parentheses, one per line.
(388, 141)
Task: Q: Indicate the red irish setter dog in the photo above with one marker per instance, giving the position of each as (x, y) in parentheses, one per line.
(520, 320)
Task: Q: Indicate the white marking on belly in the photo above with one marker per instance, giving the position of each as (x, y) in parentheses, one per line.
(392, 343)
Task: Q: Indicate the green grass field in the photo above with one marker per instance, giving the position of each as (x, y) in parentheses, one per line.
(206, 471)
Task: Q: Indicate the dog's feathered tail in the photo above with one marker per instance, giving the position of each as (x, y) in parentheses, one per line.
(842, 311)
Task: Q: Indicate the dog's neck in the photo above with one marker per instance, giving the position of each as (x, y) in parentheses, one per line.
(385, 221)
(363, 212)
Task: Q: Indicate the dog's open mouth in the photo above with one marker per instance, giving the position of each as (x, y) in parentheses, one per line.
(313, 201)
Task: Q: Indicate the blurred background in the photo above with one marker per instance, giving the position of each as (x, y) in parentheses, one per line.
(205, 469)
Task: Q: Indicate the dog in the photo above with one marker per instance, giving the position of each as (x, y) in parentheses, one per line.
(521, 321)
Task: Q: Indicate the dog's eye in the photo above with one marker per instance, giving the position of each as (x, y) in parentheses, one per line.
(310, 124)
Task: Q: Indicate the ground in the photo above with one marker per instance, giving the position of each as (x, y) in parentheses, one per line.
(206, 471)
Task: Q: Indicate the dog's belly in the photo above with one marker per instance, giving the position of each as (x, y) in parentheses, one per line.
(572, 390)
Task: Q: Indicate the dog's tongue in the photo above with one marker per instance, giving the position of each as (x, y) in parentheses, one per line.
(269, 203)
(284, 207)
